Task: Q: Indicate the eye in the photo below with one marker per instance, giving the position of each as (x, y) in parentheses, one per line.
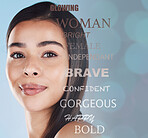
(49, 55)
(17, 55)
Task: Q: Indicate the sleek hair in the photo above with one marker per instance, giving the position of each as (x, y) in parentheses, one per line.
(41, 11)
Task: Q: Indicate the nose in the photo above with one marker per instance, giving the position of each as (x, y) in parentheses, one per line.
(32, 69)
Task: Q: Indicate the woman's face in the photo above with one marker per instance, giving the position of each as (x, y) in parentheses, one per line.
(36, 64)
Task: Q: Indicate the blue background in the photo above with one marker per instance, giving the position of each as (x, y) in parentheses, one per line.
(127, 40)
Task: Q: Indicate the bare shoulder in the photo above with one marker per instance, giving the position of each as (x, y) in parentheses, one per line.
(78, 130)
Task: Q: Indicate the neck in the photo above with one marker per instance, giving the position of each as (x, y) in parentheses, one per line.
(37, 122)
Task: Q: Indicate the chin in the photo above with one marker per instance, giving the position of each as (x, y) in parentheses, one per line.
(34, 105)
(33, 108)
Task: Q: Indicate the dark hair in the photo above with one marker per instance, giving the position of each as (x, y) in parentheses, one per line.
(41, 11)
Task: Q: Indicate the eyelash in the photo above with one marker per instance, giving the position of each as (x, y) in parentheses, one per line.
(50, 54)
(17, 55)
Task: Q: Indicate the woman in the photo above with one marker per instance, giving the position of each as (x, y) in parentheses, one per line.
(37, 61)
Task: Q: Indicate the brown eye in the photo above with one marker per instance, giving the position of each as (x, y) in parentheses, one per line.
(17, 55)
(49, 55)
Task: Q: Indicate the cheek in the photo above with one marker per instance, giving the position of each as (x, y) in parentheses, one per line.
(57, 80)
(12, 72)
(57, 71)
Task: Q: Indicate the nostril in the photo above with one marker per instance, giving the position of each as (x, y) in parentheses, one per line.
(35, 73)
(26, 73)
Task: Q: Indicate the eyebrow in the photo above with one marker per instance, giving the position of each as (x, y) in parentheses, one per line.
(17, 44)
(45, 43)
(41, 44)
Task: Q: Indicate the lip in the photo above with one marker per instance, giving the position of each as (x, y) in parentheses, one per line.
(32, 89)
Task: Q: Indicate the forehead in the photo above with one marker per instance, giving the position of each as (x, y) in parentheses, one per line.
(36, 31)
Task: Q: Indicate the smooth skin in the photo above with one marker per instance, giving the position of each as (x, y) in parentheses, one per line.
(38, 47)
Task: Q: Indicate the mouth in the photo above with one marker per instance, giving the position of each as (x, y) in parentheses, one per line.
(32, 89)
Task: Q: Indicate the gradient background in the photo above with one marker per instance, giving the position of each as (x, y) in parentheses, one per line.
(127, 40)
